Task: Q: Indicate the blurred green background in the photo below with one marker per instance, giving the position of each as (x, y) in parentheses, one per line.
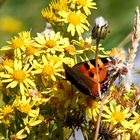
(18, 15)
(120, 16)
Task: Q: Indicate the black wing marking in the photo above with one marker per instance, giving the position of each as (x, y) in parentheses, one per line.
(78, 79)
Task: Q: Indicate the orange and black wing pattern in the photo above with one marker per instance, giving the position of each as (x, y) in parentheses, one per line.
(84, 76)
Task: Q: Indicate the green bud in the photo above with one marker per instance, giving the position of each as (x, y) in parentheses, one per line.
(100, 28)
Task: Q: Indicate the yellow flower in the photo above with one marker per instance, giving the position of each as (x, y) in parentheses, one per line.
(60, 58)
(85, 4)
(116, 115)
(26, 37)
(48, 14)
(50, 43)
(70, 61)
(29, 123)
(76, 20)
(26, 105)
(8, 62)
(31, 50)
(10, 24)
(51, 13)
(18, 75)
(59, 5)
(18, 43)
(70, 48)
(126, 136)
(85, 44)
(19, 135)
(136, 121)
(49, 69)
(7, 109)
(93, 107)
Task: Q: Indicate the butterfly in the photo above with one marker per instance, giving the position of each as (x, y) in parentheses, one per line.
(84, 76)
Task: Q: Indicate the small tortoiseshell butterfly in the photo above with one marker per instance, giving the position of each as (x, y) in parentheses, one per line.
(84, 76)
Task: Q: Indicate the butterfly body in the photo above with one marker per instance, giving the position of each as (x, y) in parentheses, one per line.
(84, 75)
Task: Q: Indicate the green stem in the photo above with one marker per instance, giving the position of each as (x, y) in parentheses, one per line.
(97, 67)
(99, 119)
(99, 91)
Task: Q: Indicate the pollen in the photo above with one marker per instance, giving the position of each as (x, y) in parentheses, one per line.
(118, 116)
(71, 49)
(87, 45)
(17, 43)
(50, 43)
(48, 70)
(7, 109)
(73, 18)
(19, 75)
(25, 107)
(30, 50)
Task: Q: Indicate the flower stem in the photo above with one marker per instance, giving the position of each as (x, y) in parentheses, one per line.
(99, 91)
(97, 67)
(99, 119)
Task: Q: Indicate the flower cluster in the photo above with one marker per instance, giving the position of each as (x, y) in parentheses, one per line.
(38, 101)
(71, 14)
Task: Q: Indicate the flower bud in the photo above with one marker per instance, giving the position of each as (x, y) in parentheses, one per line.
(100, 28)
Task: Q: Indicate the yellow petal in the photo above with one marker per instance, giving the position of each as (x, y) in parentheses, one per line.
(26, 67)
(30, 82)
(3, 75)
(6, 80)
(36, 122)
(12, 84)
(22, 88)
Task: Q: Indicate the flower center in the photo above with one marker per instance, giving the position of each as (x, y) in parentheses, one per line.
(74, 18)
(25, 107)
(47, 70)
(118, 116)
(16, 43)
(19, 75)
(50, 43)
(87, 45)
(7, 109)
(71, 49)
(31, 50)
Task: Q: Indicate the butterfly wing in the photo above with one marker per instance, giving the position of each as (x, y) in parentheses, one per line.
(78, 79)
(84, 76)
